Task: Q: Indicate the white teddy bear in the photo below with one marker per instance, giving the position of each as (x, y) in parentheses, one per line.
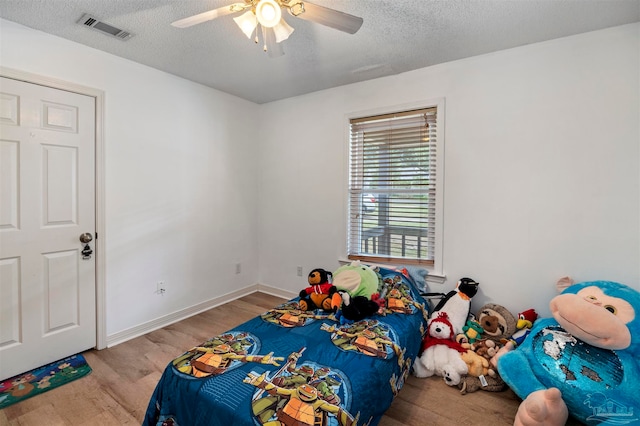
(441, 353)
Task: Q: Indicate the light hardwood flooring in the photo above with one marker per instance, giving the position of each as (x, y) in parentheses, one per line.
(124, 377)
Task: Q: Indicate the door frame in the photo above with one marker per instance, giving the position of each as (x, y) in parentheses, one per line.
(98, 95)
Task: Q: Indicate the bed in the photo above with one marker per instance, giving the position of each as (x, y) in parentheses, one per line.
(287, 367)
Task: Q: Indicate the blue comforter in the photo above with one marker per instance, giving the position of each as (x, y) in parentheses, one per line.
(287, 367)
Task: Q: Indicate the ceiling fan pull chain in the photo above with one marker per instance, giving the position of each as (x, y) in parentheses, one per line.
(256, 39)
(264, 38)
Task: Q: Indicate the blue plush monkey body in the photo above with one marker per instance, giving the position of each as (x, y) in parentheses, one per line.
(587, 376)
(588, 350)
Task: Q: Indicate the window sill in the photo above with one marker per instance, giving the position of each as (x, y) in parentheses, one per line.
(432, 277)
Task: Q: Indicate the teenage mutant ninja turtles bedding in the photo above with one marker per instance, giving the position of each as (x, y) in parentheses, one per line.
(289, 367)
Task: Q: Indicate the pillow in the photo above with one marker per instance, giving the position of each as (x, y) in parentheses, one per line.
(419, 275)
(416, 273)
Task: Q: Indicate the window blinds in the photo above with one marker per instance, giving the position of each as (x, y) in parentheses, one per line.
(392, 187)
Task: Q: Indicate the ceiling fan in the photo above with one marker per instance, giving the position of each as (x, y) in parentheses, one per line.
(264, 17)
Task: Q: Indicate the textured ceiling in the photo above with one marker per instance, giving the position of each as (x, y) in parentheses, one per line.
(397, 36)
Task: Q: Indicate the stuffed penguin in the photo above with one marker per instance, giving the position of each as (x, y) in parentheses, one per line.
(457, 303)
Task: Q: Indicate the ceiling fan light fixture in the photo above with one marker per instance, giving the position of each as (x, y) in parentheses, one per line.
(282, 31)
(268, 13)
(247, 23)
(265, 17)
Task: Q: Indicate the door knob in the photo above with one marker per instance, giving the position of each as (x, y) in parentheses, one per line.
(86, 238)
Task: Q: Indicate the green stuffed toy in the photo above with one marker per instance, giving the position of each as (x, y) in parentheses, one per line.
(357, 286)
(473, 331)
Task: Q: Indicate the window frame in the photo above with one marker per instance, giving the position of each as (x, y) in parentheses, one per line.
(436, 268)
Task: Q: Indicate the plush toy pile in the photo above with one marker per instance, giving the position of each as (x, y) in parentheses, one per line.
(583, 362)
(351, 292)
(474, 339)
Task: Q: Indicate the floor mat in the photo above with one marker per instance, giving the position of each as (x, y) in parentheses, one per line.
(42, 379)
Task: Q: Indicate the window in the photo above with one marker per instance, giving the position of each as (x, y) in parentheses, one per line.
(393, 160)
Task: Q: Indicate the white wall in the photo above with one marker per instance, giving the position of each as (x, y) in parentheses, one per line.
(180, 186)
(542, 173)
(542, 168)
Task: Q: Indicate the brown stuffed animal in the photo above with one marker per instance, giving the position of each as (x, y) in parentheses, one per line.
(497, 322)
(485, 348)
(319, 293)
(470, 384)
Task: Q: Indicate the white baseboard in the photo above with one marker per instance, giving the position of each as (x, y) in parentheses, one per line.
(286, 294)
(163, 321)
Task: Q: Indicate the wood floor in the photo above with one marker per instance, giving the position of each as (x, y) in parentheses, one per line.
(124, 377)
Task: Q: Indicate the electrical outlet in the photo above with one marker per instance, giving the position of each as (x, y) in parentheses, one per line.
(299, 271)
(160, 288)
(237, 268)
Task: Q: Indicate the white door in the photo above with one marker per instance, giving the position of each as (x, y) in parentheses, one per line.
(47, 200)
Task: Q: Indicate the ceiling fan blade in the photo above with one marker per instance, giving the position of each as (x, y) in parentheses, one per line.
(208, 16)
(331, 18)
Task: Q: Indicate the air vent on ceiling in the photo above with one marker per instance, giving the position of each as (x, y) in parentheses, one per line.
(96, 24)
